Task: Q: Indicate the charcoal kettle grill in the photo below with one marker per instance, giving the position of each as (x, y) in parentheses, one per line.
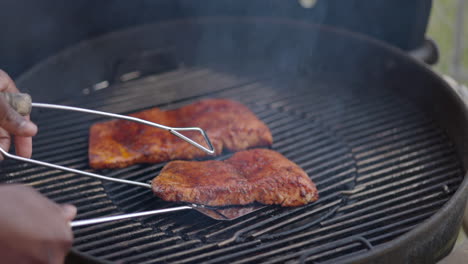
(371, 130)
(382, 136)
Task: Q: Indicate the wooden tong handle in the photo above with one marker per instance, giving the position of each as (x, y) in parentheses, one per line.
(21, 102)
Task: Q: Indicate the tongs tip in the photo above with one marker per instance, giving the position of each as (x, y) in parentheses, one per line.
(210, 150)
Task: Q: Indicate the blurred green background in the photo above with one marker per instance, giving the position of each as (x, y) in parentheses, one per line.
(446, 17)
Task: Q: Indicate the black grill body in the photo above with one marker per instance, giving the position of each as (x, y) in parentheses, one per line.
(53, 26)
(367, 123)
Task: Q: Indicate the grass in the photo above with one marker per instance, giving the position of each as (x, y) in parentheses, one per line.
(441, 29)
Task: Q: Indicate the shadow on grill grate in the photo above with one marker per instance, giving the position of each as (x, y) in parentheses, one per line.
(381, 166)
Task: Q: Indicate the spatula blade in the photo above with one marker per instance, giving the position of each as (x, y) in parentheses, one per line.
(228, 213)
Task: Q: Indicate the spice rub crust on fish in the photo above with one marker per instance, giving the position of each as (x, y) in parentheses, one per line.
(230, 126)
(256, 175)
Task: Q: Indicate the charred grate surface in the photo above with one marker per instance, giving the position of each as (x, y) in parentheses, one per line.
(381, 166)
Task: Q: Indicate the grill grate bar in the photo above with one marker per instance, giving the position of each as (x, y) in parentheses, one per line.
(412, 134)
(307, 237)
(104, 233)
(327, 167)
(267, 216)
(129, 252)
(200, 251)
(293, 246)
(342, 116)
(366, 207)
(116, 238)
(394, 210)
(78, 186)
(398, 232)
(370, 129)
(404, 173)
(189, 86)
(408, 152)
(92, 231)
(374, 174)
(353, 246)
(137, 85)
(293, 219)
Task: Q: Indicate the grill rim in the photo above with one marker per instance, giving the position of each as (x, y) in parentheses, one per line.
(448, 210)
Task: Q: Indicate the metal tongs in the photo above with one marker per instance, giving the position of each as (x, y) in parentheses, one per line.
(22, 103)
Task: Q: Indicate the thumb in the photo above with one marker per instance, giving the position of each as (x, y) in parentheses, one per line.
(13, 122)
(69, 211)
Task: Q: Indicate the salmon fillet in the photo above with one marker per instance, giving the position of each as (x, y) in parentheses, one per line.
(230, 126)
(256, 175)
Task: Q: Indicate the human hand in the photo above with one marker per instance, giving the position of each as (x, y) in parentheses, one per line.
(12, 123)
(33, 229)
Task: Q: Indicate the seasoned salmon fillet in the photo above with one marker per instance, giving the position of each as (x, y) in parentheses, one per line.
(230, 126)
(257, 175)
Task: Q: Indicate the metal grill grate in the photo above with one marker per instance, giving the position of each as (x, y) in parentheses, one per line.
(381, 166)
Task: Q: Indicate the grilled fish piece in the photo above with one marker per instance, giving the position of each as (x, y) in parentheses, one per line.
(256, 175)
(230, 126)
